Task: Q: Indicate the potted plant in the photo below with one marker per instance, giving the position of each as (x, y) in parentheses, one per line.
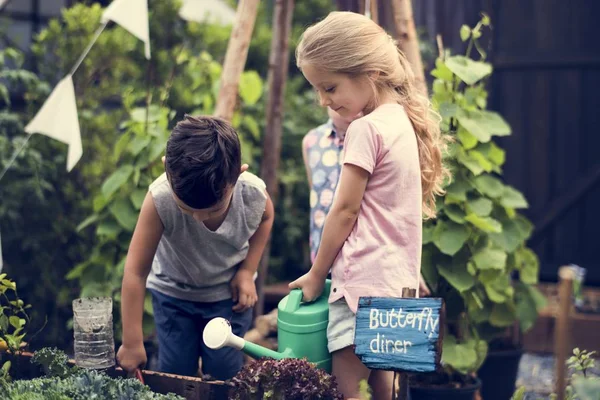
(474, 252)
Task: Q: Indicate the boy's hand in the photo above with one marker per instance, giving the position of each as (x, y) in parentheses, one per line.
(311, 284)
(243, 290)
(131, 358)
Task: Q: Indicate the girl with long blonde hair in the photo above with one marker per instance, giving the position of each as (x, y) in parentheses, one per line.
(392, 171)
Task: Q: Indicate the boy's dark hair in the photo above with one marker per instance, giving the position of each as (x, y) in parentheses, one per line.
(203, 158)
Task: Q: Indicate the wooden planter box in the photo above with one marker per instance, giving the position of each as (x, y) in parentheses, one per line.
(583, 328)
(187, 387)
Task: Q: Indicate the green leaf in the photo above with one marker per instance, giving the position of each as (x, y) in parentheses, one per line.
(116, 180)
(428, 268)
(467, 70)
(137, 198)
(447, 109)
(121, 145)
(490, 257)
(511, 236)
(455, 213)
(252, 126)
(486, 224)
(481, 206)
(587, 388)
(427, 234)
(489, 186)
(525, 227)
(251, 87)
(3, 323)
(483, 162)
(449, 237)
(512, 198)
(503, 315)
(87, 222)
(458, 189)
(483, 124)
(99, 202)
(471, 122)
(529, 301)
(457, 275)
(109, 229)
(528, 265)
(460, 356)
(470, 162)
(124, 213)
(466, 138)
(441, 71)
(138, 144)
(465, 33)
(156, 149)
(14, 321)
(494, 153)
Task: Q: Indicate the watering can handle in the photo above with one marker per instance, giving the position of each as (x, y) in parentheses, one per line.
(294, 300)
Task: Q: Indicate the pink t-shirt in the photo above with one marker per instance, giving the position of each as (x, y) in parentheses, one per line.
(382, 254)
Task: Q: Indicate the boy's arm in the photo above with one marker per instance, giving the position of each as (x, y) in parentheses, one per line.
(244, 290)
(142, 248)
(305, 158)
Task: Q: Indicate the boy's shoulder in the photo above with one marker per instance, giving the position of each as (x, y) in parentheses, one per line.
(160, 185)
(248, 179)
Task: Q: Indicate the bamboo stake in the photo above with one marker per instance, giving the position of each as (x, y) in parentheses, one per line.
(408, 41)
(235, 58)
(278, 71)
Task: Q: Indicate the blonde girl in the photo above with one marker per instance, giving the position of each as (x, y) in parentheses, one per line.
(392, 170)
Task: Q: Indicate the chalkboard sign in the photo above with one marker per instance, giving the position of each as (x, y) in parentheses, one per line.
(399, 334)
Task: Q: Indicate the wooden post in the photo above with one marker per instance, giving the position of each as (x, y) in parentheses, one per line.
(235, 58)
(562, 343)
(408, 40)
(374, 11)
(278, 71)
(400, 390)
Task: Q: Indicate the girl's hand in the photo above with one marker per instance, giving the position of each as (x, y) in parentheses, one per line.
(311, 284)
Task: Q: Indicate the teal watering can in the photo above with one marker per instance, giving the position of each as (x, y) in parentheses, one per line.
(301, 331)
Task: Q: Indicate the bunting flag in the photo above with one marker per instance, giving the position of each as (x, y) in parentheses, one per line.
(133, 16)
(58, 119)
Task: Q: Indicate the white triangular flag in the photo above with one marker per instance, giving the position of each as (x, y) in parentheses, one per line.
(211, 11)
(133, 16)
(58, 119)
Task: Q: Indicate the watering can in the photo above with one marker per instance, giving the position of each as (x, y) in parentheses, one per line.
(301, 331)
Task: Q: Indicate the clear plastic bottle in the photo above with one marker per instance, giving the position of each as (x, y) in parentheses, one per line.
(93, 332)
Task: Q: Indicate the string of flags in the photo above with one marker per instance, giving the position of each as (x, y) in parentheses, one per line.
(58, 117)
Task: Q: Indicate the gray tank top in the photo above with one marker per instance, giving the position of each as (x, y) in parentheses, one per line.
(194, 263)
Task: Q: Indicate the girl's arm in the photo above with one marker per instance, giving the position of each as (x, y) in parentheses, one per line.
(338, 225)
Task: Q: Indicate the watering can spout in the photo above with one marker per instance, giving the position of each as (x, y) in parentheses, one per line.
(218, 334)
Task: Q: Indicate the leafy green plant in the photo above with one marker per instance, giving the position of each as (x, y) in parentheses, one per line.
(582, 385)
(476, 247)
(72, 383)
(14, 323)
(289, 379)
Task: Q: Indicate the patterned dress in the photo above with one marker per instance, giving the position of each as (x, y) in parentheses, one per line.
(324, 150)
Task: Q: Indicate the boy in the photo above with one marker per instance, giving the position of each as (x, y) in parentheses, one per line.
(200, 235)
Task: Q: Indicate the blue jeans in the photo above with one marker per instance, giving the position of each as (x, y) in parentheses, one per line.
(179, 326)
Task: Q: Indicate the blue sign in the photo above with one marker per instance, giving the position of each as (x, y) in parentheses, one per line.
(399, 334)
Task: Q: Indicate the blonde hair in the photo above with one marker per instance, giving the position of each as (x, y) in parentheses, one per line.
(352, 44)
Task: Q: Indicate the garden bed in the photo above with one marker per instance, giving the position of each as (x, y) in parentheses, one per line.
(190, 388)
(583, 327)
